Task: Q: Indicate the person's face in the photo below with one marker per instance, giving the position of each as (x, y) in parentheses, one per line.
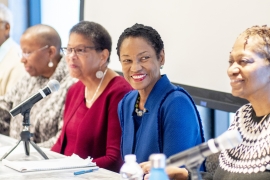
(4, 31)
(86, 61)
(248, 71)
(140, 65)
(38, 56)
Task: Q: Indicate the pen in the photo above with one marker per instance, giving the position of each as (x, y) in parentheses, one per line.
(84, 171)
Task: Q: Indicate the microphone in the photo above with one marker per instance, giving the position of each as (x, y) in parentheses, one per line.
(52, 86)
(197, 154)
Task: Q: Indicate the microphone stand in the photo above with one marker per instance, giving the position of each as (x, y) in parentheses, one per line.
(26, 137)
(193, 162)
(194, 170)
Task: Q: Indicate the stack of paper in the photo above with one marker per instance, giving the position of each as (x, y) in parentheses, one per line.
(73, 161)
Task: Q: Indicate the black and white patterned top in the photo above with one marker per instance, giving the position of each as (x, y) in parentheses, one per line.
(45, 116)
(253, 154)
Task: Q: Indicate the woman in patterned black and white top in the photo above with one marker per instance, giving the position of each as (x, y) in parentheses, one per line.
(41, 47)
(249, 72)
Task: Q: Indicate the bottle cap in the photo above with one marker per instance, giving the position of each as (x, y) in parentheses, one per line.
(130, 158)
(158, 160)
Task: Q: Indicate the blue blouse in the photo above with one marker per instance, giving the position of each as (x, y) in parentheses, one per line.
(171, 124)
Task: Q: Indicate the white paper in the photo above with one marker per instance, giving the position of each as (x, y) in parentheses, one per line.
(73, 161)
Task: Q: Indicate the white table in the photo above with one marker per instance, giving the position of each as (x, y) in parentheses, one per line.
(7, 173)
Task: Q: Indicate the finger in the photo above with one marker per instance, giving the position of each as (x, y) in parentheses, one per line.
(146, 177)
(146, 166)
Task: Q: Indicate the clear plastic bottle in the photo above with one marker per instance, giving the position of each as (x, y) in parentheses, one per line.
(158, 163)
(131, 170)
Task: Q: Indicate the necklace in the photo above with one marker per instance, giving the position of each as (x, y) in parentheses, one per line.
(256, 127)
(137, 110)
(92, 99)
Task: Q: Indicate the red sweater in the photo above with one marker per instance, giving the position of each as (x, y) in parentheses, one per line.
(98, 133)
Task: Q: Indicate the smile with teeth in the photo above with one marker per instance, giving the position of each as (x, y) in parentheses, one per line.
(139, 77)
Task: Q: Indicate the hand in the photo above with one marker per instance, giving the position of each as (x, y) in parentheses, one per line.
(146, 166)
(176, 173)
(146, 177)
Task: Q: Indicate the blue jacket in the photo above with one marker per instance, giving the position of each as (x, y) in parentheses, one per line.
(171, 124)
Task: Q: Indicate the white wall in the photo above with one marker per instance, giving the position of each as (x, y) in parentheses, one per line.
(198, 34)
(60, 14)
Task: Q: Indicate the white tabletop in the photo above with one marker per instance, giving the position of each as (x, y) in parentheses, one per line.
(6, 143)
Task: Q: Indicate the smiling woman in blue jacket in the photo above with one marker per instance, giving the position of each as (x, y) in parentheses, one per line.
(157, 116)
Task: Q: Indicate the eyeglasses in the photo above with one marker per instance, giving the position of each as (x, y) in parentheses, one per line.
(26, 55)
(79, 51)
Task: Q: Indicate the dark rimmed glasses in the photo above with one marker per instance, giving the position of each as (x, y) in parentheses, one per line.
(79, 51)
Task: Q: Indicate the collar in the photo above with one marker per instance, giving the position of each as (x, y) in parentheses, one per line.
(5, 47)
(162, 86)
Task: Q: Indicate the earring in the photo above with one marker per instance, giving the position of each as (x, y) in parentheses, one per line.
(161, 67)
(99, 73)
(50, 64)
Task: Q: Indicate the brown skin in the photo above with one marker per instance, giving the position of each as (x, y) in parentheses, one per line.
(31, 41)
(172, 172)
(84, 67)
(141, 68)
(250, 74)
(140, 65)
(37, 63)
(4, 31)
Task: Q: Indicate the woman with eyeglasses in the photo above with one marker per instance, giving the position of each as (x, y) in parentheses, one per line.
(42, 59)
(91, 125)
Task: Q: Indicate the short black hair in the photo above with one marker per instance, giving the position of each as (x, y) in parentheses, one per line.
(96, 33)
(146, 32)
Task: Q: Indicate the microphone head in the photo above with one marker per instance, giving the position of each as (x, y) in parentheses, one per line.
(53, 85)
(229, 139)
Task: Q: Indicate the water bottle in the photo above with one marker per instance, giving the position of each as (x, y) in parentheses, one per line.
(158, 163)
(131, 170)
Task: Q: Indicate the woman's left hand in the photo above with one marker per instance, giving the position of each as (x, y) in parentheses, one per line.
(146, 166)
(146, 177)
(177, 173)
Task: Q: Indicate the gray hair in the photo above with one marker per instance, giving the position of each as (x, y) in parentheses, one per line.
(95, 33)
(5, 14)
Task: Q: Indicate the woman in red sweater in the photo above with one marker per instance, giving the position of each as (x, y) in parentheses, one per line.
(91, 126)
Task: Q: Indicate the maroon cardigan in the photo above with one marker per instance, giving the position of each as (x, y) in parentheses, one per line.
(99, 133)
